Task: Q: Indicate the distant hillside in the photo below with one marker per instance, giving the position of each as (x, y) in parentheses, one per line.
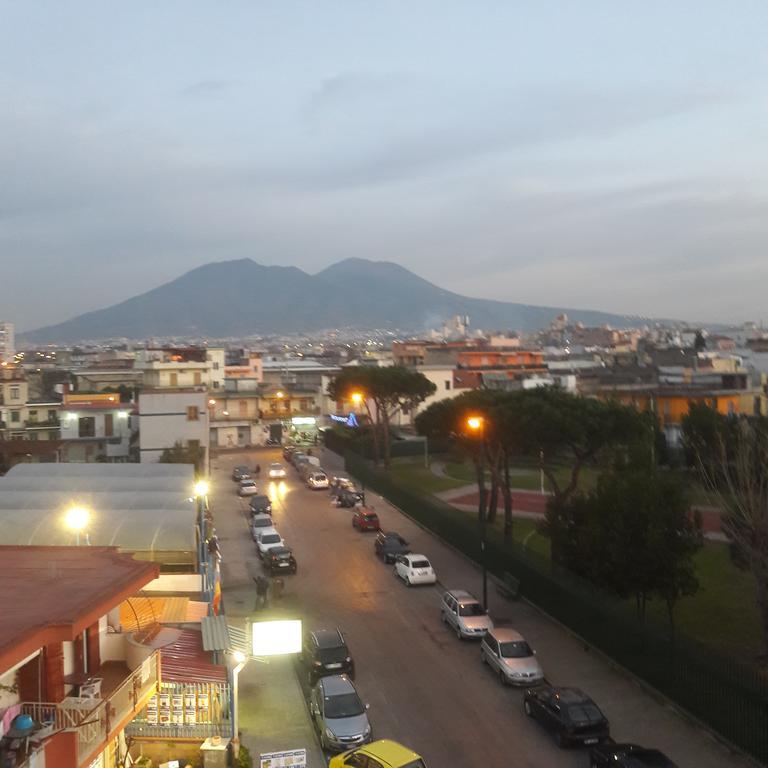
(239, 298)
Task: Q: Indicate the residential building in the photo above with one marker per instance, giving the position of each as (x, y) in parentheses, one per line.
(63, 660)
(96, 427)
(7, 342)
(181, 367)
(173, 416)
(14, 392)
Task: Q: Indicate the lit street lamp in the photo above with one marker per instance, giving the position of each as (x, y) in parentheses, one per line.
(76, 520)
(477, 425)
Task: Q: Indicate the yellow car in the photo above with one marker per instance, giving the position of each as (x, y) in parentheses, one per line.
(378, 754)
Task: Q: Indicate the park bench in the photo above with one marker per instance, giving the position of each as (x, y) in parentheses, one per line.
(509, 586)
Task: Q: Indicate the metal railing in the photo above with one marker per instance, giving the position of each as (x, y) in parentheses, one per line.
(94, 720)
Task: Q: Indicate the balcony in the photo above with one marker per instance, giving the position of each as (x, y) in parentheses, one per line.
(48, 424)
(95, 721)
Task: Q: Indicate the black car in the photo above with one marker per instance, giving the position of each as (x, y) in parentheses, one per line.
(324, 652)
(240, 472)
(568, 713)
(279, 560)
(389, 545)
(261, 505)
(349, 497)
(628, 756)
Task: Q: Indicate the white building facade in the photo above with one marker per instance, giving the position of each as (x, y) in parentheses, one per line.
(167, 418)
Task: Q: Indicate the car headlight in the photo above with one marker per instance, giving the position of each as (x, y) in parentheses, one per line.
(318, 663)
(367, 731)
(330, 734)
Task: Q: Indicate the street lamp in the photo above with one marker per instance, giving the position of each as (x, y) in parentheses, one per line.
(201, 488)
(76, 519)
(356, 398)
(477, 425)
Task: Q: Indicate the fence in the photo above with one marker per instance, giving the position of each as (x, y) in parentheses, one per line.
(729, 697)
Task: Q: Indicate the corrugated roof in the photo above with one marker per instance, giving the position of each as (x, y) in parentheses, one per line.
(220, 636)
(136, 507)
(185, 661)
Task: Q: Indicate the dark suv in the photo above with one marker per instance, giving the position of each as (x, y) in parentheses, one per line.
(325, 652)
(261, 505)
(568, 714)
(389, 545)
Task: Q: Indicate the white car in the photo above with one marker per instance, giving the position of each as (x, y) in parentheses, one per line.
(415, 569)
(510, 657)
(276, 471)
(266, 539)
(247, 488)
(317, 481)
(259, 523)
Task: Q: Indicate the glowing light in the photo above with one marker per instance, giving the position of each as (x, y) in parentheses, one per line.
(279, 394)
(201, 488)
(275, 638)
(475, 422)
(239, 657)
(211, 402)
(357, 398)
(77, 518)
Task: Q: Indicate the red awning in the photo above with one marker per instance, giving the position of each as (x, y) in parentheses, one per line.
(185, 661)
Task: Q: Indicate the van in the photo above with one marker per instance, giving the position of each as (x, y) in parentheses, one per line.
(379, 754)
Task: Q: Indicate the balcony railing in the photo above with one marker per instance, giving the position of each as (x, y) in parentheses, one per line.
(97, 720)
(48, 423)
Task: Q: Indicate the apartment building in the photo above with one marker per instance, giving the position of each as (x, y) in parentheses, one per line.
(181, 367)
(96, 427)
(7, 342)
(70, 680)
(14, 393)
(168, 417)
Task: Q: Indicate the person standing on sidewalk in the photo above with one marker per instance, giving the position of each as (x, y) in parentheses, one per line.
(262, 585)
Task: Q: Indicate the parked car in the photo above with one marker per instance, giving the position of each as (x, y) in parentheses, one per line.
(414, 569)
(510, 657)
(247, 487)
(288, 451)
(259, 523)
(317, 481)
(241, 472)
(276, 471)
(260, 505)
(339, 483)
(279, 560)
(464, 613)
(568, 713)
(267, 539)
(298, 458)
(365, 520)
(389, 545)
(325, 652)
(628, 756)
(338, 714)
(383, 753)
(349, 497)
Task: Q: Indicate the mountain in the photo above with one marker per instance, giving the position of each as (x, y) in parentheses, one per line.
(241, 298)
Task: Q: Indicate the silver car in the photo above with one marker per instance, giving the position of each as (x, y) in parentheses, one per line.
(510, 656)
(338, 714)
(464, 614)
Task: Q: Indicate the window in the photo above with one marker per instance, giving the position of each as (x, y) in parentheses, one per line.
(15, 417)
(447, 384)
(86, 426)
(15, 393)
(215, 365)
(109, 427)
(32, 417)
(216, 384)
(51, 415)
(174, 379)
(32, 436)
(197, 377)
(193, 414)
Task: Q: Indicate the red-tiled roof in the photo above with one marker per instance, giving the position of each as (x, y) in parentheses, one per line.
(185, 661)
(52, 594)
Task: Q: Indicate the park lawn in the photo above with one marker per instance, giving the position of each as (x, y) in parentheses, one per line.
(413, 475)
(723, 613)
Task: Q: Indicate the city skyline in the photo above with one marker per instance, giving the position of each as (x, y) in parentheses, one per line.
(550, 156)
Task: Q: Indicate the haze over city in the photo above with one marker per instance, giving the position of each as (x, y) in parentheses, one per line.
(559, 154)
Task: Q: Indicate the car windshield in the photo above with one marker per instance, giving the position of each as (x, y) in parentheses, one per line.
(270, 538)
(345, 705)
(247, 482)
(283, 555)
(420, 564)
(584, 713)
(264, 522)
(517, 649)
(320, 477)
(415, 764)
(275, 466)
(471, 609)
(370, 517)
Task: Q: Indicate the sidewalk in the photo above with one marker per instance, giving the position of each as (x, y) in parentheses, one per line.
(273, 713)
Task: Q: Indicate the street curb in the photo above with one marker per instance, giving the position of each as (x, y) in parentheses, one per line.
(612, 663)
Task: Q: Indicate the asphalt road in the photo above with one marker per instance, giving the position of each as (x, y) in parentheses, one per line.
(426, 688)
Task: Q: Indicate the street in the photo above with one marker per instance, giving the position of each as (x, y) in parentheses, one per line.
(426, 688)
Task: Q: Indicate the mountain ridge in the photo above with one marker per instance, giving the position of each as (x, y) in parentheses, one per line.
(240, 297)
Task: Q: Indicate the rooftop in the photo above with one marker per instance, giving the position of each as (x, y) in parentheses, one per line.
(53, 593)
(136, 507)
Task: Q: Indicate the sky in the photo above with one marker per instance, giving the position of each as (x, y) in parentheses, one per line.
(594, 154)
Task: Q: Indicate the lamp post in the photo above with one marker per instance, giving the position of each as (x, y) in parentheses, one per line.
(76, 520)
(477, 425)
(240, 660)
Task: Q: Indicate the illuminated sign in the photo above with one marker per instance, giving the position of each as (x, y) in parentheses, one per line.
(303, 420)
(350, 421)
(276, 638)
